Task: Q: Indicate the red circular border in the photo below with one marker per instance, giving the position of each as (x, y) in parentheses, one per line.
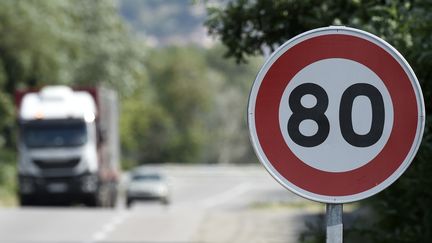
(336, 183)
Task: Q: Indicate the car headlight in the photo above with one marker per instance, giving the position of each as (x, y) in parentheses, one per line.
(162, 190)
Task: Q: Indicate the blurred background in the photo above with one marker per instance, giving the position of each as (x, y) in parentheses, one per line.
(181, 71)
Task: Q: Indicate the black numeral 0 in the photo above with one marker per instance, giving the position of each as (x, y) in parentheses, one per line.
(345, 115)
(316, 113)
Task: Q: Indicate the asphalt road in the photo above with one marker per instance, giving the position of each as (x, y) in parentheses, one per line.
(209, 204)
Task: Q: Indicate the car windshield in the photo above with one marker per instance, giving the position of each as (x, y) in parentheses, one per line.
(146, 177)
(62, 134)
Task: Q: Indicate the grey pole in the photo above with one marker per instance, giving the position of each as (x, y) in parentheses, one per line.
(334, 223)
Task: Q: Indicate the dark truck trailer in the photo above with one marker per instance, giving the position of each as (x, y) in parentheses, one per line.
(68, 146)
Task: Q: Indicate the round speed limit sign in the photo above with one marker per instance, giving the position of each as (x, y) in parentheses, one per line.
(336, 115)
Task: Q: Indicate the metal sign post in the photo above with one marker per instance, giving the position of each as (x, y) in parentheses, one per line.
(334, 226)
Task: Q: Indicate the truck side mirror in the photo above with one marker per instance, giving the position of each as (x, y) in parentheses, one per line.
(101, 135)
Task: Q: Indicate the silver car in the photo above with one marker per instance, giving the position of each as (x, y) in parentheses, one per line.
(147, 185)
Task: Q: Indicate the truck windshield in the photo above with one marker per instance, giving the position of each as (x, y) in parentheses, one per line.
(54, 134)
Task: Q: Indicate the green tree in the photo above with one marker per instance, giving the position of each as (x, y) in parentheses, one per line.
(146, 129)
(64, 42)
(226, 123)
(402, 212)
(29, 37)
(250, 27)
(179, 76)
(192, 109)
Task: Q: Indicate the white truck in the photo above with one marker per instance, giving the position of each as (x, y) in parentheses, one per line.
(68, 146)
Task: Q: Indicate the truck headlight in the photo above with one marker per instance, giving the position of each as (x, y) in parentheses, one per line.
(26, 186)
(89, 183)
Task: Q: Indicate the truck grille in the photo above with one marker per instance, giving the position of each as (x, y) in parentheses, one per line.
(57, 164)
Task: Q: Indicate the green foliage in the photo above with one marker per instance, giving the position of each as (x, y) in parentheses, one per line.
(145, 131)
(8, 181)
(251, 27)
(226, 125)
(67, 42)
(45, 42)
(191, 111)
(179, 76)
(401, 213)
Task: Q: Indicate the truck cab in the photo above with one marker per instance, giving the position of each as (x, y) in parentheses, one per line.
(63, 153)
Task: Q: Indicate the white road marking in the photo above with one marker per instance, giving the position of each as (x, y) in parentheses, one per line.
(226, 196)
(109, 227)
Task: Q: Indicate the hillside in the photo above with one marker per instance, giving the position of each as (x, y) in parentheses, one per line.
(165, 22)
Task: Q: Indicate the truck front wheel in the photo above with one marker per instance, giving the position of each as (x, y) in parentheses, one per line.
(129, 202)
(26, 200)
(92, 201)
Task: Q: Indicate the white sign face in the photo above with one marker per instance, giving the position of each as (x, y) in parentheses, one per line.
(335, 154)
(336, 115)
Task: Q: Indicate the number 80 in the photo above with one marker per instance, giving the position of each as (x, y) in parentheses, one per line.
(316, 113)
